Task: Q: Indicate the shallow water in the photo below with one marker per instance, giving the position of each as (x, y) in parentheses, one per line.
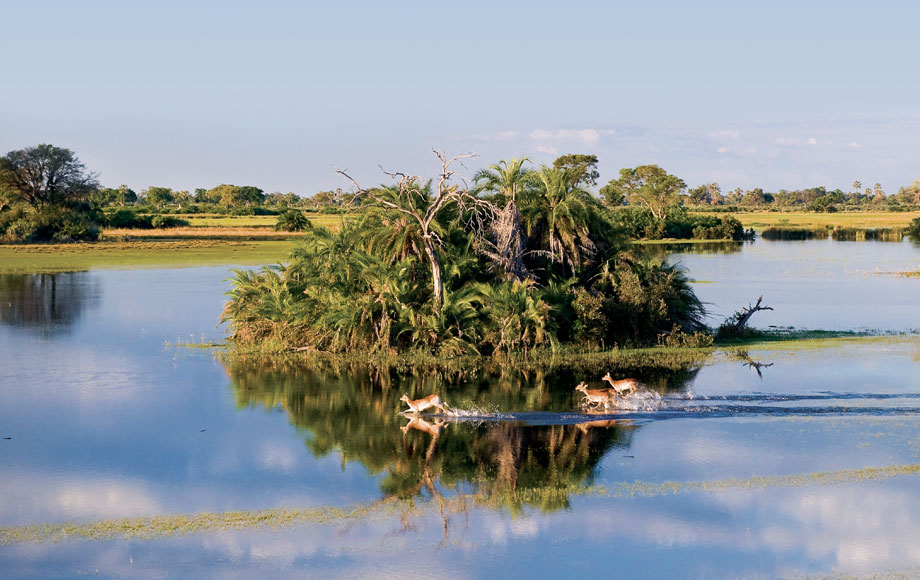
(809, 468)
(816, 284)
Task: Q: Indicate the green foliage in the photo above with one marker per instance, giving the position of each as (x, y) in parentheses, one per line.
(677, 338)
(913, 230)
(234, 196)
(583, 168)
(157, 196)
(45, 175)
(370, 286)
(292, 221)
(52, 223)
(167, 221)
(678, 223)
(129, 219)
(646, 185)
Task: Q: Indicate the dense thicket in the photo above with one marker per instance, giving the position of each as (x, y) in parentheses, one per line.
(524, 259)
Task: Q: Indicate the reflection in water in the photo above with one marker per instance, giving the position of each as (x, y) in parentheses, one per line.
(505, 463)
(48, 303)
(662, 251)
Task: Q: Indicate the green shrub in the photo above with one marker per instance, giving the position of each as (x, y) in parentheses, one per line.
(167, 221)
(292, 221)
(128, 219)
(62, 224)
(913, 230)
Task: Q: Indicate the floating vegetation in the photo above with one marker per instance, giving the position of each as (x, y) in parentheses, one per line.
(164, 526)
(838, 233)
(794, 234)
(842, 234)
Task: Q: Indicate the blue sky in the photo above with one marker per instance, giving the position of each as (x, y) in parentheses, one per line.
(279, 94)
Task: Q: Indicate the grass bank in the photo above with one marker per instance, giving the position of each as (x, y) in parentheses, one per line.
(140, 254)
(331, 221)
(760, 220)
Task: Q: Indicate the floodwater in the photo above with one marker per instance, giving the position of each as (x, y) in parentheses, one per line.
(124, 454)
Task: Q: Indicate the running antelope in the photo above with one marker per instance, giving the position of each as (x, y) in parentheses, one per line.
(418, 405)
(622, 386)
(596, 397)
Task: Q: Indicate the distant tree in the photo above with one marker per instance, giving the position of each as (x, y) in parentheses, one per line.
(125, 195)
(647, 185)
(857, 186)
(236, 195)
(581, 168)
(877, 191)
(45, 175)
(322, 199)
(707, 194)
(181, 199)
(157, 196)
(756, 198)
(910, 194)
(282, 200)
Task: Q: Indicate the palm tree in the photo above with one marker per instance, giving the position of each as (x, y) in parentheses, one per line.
(505, 180)
(558, 215)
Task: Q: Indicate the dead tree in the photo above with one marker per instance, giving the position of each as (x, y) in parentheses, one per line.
(410, 200)
(734, 325)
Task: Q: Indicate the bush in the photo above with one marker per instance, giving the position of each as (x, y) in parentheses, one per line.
(128, 219)
(292, 221)
(913, 230)
(167, 221)
(679, 224)
(57, 224)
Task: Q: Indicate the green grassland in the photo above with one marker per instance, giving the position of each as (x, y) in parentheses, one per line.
(35, 258)
(766, 219)
(331, 221)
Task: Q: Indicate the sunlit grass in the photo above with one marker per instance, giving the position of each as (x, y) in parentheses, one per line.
(331, 221)
(164, 526)
(43, 258)
(814, 339)
(765, 219)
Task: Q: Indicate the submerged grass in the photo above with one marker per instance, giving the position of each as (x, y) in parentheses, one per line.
(164, 526)
(792, 339)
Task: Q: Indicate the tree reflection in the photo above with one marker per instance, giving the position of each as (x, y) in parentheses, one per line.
(48, 303)
(354, 409)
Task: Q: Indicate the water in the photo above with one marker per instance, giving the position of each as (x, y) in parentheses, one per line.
(820, 284)
(809, 468)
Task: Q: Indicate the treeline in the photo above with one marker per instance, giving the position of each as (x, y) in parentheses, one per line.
(816, 199)
(225, 199)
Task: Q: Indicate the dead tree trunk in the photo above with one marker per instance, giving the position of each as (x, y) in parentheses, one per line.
(745, 314)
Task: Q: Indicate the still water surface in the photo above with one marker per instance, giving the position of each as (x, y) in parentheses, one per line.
(809, 470)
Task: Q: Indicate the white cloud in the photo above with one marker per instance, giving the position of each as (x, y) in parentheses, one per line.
(722, 150)
(725, 134)
(812, 141)
(582, 136)
(546, 149)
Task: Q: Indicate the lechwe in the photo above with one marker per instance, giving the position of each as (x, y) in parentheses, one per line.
(419, 405)
(596, 397)
(622, 386)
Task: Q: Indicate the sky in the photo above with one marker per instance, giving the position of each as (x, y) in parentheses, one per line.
(280, 94)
